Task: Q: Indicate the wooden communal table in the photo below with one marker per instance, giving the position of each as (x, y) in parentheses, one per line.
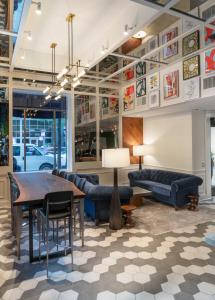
(33, 188)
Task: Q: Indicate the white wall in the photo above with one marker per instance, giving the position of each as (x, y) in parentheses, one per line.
(171, 140)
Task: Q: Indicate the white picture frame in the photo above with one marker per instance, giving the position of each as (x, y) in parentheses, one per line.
(154, 99)
(191, 89)
(179, 98)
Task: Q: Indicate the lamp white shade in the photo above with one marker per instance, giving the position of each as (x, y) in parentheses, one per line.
(138, 150)
(115, 158)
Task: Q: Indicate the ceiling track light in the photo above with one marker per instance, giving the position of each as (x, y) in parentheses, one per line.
(64, 82)
(75, 84)
(127, 29)
(38, 7)
(48, 97)
(29, 36)
(58, 97)
(60, 91)
(46, 90)
(104, 49)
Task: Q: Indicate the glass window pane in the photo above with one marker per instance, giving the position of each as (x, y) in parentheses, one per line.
(85, 129)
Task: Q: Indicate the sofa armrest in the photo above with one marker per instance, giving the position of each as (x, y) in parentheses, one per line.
(186, 183)
(102, 192)
(137, 175)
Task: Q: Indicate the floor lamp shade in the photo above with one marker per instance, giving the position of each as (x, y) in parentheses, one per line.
(115, 158)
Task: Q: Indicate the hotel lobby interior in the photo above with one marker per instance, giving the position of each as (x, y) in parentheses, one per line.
(107, 149)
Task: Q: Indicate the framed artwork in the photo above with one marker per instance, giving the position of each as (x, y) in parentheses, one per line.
(128, 98)
(210, 61)
(113, 105)
(191, 67)
(4, 133)
(191, 89)
(188, 24)
(140, 69)
(140, 101)
(153, 81)
(190, 43)
(171, 85)
(128, 74)
(209, 35)
(141, 87)
(154, 99)
(172, 49)
(153, 44)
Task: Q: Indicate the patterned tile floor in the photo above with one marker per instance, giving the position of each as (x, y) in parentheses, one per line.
(127, 264)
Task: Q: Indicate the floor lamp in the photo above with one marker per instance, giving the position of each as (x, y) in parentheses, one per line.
(138, 150)
(115, 158)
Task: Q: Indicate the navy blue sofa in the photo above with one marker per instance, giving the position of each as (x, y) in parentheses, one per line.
(98, 197)
(166, 186)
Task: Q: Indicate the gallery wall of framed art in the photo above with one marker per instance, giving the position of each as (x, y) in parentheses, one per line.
(191, 77)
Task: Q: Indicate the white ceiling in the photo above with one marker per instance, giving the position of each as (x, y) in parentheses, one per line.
(96, 23)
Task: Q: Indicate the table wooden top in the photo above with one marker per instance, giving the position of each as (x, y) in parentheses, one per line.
(34, 186)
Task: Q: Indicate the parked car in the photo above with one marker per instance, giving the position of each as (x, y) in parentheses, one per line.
(35, 158)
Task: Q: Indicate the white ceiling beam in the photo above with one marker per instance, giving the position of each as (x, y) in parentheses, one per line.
(25, 12)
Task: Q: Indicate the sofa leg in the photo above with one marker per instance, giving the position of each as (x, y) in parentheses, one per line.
(97, 222)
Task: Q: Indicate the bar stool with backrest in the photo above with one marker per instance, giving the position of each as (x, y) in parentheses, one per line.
(55, 172)
(56, 206)
(14, 194)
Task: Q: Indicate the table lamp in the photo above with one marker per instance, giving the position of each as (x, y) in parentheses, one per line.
(138, 150)
(115, 158)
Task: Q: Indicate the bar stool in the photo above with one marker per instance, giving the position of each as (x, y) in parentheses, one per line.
(56, 206)
(55, 172)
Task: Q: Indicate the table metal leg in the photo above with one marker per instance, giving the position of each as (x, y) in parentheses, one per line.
(31, 243)
(82, 220)
(18, 212)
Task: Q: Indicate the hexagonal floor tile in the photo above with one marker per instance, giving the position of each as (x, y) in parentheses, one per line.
(125, 296)
(124, 277)
(170, 288)
(132, 269)
(175, 278)
(100, 268)
(74, 276)
(68, 295)
(163, 296)
(91, 277)
(14, 294)
(207, 288)
(141, 278)
(202, 296)
(49, 294)
(109, 261)
(148, 269)
(28, 284)
(106, 295)
(145, 296)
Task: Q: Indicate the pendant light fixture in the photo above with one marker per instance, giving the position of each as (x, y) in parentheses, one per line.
(66, 76)
(51, 88)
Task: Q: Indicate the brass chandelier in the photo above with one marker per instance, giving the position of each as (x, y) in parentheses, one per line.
(66, 76)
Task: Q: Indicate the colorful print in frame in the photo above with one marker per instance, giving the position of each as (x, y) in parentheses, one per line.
(171, 85)
(140, 69)
(141, 87)
(154, 81)
(191, 67)
(190, 43)
(128, 98)
(172, 49)
(210, 61)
